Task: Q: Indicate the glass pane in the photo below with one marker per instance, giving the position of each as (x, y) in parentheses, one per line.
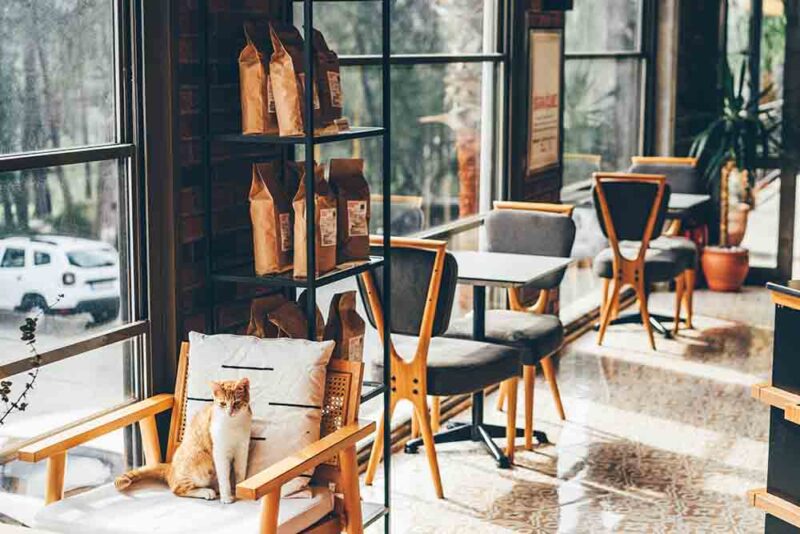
(73, 216)
(57, 77)
(607, 26)
(418, 26)
(436, 119)
(738, 33)
(65, 393)
(601, 116)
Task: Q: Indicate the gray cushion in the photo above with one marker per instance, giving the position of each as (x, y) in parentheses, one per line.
(411, 275)
(681, 178)
(659, 265)
(685, 250)
(536, 335)
(531, 232)
(458, 366)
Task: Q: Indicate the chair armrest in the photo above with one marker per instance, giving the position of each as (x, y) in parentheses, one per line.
(96, 427)
(276, 475)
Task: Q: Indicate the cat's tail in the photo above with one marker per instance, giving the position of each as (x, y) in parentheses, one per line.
(148, 472)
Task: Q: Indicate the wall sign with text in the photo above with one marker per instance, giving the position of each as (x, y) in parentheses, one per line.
(545, 100)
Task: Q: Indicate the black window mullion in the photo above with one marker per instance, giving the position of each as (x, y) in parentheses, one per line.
(58, 157)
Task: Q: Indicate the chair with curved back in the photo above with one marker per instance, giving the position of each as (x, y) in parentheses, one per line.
(631, 210)
(335, 505)
(424, 278)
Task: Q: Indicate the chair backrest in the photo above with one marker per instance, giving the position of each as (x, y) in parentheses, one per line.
(340, 405)
(532, 228)
(413, 264)
(629, 206)
(682, 174)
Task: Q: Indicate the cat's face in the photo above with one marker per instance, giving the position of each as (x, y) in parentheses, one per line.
(231, 396)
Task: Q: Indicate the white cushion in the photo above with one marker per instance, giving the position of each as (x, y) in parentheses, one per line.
(151, 508)
(287, 389)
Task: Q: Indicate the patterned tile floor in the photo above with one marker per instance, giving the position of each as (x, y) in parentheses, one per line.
(664, 441)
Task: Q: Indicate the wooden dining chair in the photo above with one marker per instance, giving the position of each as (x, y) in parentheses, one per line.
(631, 208)
(424, 278)
(334, 507)
(683, 176)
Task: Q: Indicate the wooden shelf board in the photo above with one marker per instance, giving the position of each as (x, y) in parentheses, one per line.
(774, 505)
(779, 398)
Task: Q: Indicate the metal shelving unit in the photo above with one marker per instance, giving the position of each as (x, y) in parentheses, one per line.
(372, 512)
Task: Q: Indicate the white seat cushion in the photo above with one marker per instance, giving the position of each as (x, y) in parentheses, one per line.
(150, 508)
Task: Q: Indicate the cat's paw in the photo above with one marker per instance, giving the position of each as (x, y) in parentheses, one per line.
(122, 482)
(226, 499)
(207, 494)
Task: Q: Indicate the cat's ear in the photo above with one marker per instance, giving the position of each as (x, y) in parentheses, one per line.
(216, 387)
(244, 383)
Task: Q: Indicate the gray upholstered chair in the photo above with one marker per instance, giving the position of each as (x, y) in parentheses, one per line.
(683, 176)
(534, 229)
(631, 210)
(424, 278)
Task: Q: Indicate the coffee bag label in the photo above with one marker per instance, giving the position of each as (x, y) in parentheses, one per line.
(357, 218)
(335, 84)
(327, 227)
(302, 77)
(355, 349)
(286, 232)
(270, 96)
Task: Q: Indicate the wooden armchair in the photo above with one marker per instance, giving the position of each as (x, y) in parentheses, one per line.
(333, 456)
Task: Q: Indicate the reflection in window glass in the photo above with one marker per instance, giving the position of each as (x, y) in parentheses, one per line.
(601, 116)
(606, 26)
(72, 216)
(436, 119)
(57, 74)
(418, 26)
(65, 393)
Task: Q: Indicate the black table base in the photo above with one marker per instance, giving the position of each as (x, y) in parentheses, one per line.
(476, 430)
(656, 321)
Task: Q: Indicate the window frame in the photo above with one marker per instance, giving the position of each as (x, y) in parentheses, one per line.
(126, 151)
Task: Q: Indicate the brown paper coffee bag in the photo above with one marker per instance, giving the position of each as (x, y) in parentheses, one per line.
(346, 327)
(288, 81)
(353, 202)
(320, 329)
(290, 320)
(324, 213)
(258, 103)
(259, 309)
(329, 82)
(271, 215)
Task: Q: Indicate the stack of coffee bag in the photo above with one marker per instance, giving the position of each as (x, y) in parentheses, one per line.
(273, 82)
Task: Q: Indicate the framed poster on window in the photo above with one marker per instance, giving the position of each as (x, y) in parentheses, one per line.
(545, 99)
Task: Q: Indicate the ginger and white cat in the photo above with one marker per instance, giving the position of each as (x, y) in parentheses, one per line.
(216, 440)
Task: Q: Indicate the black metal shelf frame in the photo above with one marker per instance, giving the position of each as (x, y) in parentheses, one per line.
(373, 512)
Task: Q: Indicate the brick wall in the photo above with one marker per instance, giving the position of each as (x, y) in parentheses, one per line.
(230, 165)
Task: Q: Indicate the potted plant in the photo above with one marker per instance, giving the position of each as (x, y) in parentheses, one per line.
(730, 147)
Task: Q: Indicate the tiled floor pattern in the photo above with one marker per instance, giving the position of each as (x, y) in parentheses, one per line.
(665, 441)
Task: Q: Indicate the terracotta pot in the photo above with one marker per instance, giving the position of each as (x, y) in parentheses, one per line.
(737, 224)
(725, 268)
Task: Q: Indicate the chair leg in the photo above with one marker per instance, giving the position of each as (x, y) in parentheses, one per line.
(377, 445)
(529, 381)
(421, 407)
(605, 316)
(270, 508)
(414, 425)
(348, 462)
(604, 293)
(690, 276)
(511, 418)
(436, 414)
(501, 397)
(56, 467)
(549, 371)
(680, 283)
(641, 295)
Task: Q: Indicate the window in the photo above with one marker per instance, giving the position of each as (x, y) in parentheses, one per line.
(445, 70)
(41, 258)
(13, 257)
(67, 185)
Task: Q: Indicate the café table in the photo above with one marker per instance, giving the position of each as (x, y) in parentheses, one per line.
(481, 270)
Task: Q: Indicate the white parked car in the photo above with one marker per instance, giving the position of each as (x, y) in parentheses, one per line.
(34, 271)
